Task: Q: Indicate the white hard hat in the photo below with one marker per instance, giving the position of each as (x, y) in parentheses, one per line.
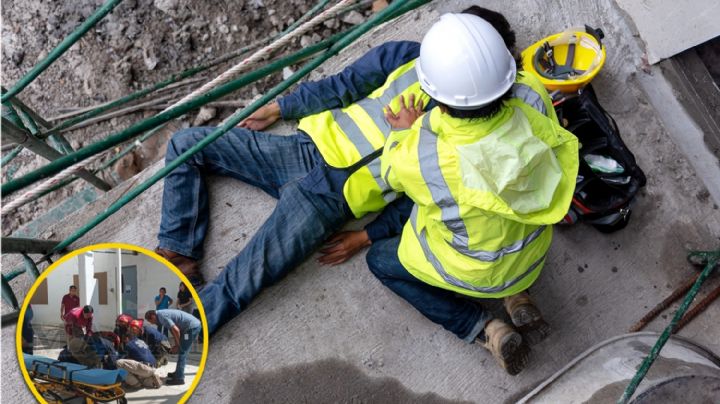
(464, 62)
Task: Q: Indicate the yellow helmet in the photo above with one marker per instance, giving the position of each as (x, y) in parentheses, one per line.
(566, 61)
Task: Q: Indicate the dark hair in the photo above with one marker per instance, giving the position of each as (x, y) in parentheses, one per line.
(88, 309)
(498, 21)
(183, 285)
(149, 314)
(484, 112)
(163, 289)
(501, 25)
(73, 287)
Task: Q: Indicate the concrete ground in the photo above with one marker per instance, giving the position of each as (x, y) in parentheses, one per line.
(335, 334)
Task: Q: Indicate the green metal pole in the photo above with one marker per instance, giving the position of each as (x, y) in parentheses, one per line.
(131, 132)
(8, 157)
(60, 49)
(655, 351)
(238, 116)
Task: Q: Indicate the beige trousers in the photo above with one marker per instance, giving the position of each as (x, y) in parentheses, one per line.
(139, 374)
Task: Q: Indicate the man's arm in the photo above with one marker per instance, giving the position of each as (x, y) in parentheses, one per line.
(352, 84)
(344, 245)
(176, 334)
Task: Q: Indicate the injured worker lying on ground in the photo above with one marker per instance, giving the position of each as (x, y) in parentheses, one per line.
(330, 172)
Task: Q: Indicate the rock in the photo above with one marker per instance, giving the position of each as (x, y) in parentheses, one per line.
(257, 3)
(223, 29)
(150, 59)
(379, 5)
(205, 114)
(172, 8)
(305, 41)
(353, 18)
(18, 57)
(331, 23)
(287, 72)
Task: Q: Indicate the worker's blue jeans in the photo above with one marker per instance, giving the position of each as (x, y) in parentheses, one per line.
(464, 317)
(187, 337)
(286, 167)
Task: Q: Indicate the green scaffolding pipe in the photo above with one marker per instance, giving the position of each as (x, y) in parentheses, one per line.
(14, 273)
(8, 157)
(387, 13)
(131, 132)
(713, 258)
(60, 49)
(172, 79)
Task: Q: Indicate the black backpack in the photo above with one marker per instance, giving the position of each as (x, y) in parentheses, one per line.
(601, 198)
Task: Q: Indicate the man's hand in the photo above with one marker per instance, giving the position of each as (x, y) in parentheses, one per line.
(407, 115)
(175, 349)
(262, 118)
(342, 246)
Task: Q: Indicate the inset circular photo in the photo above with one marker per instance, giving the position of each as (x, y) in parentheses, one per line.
(112, 323)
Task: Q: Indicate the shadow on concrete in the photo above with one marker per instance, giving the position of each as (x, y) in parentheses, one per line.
(327, 381)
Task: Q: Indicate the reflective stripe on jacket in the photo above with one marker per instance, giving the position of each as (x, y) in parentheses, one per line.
(345, 135)
(486, 195)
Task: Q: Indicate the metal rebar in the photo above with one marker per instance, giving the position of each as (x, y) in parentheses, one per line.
(676, 294)
(697, 309)
(60, 49)
(392, 10)
(655, 351)
(24, 138)
(144, 125)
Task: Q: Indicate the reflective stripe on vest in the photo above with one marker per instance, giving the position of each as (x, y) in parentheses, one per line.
(374, 108)
(529, 96)
(449, 209)
(455, 281)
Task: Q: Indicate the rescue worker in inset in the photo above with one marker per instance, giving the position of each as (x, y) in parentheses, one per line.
(489, 176)
(156, 341)
(122, 322)
(78, 325)
(139, 363)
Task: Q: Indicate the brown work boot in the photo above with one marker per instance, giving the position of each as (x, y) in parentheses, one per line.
(188, 266)
(526, 318)
(506, 345)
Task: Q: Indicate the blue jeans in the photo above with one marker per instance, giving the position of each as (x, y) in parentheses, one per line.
(461, 316)
(187, 337)
(289, 168)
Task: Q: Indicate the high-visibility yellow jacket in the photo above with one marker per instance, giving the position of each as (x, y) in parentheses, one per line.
(486, 194)
(345, 135)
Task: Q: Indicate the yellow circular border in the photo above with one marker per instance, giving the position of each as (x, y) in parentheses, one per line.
(44, 274)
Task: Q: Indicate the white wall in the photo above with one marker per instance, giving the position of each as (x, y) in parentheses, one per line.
(151, 276)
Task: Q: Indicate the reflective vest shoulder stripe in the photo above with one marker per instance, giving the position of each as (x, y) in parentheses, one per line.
(457, 282)
(529, 96)
(449, 209)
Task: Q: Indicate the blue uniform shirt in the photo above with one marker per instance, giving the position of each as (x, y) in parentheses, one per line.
(152, 336)
(184, 321)
(136, 349)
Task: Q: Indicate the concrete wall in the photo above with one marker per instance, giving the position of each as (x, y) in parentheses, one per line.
(151, 276)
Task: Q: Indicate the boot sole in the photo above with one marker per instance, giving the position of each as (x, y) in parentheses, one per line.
(529, 322)
(514, 353)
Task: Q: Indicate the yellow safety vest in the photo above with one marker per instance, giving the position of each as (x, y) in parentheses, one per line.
(486, 194)
(345, 135)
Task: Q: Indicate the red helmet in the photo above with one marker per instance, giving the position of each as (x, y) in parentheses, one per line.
(123, 320)
(136, 326)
